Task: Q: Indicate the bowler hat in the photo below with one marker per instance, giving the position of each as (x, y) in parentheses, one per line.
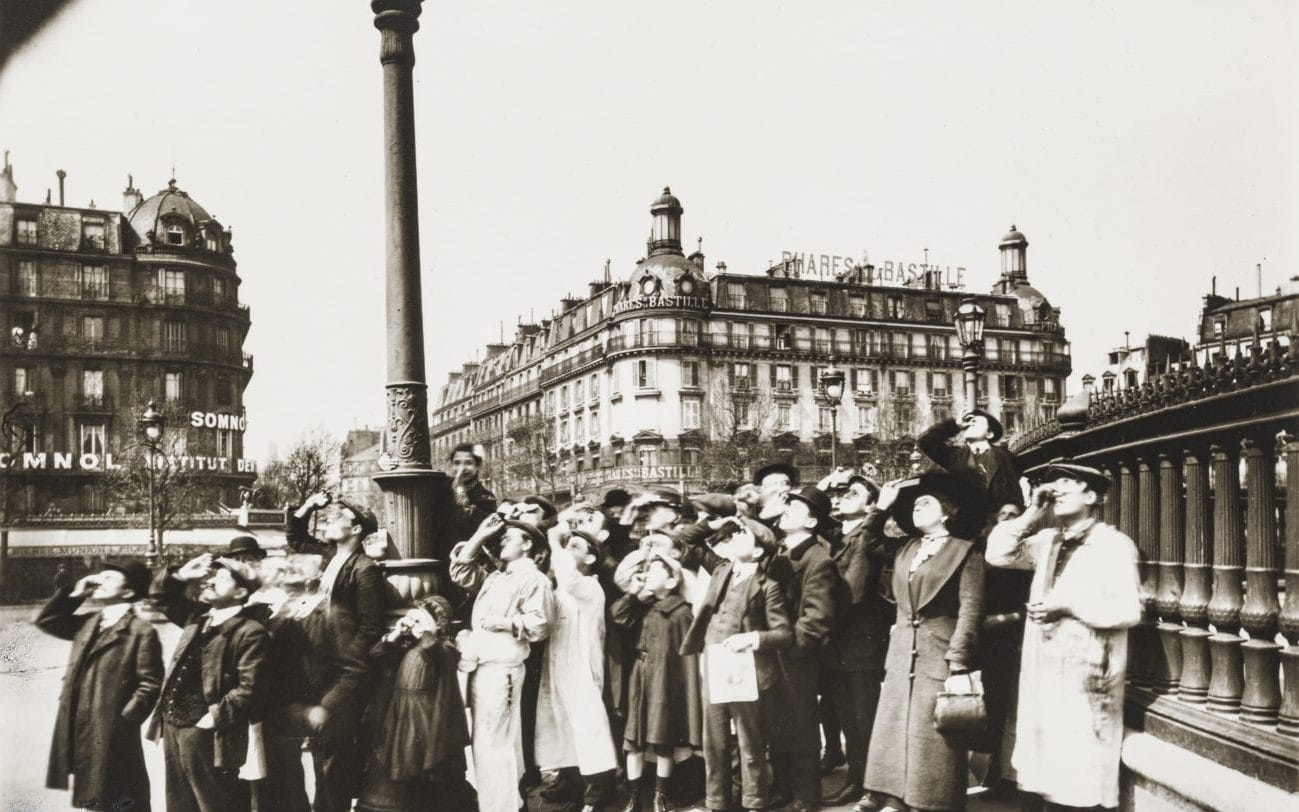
(1061, 468)
(816, 499)
(245, 545)
(138, 575)
(994, 425)
(777, 468)
(964, 491)
(245, 574)
(615, 498)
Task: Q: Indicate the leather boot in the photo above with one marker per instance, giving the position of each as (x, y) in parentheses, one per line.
(661, 802)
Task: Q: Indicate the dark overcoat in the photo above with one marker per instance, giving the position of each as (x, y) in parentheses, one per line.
(353, 622)
(996, 466)
(860, 637)
(664, 703)
(940, 608)
(811, 594)
(112, 684)
(233, 664)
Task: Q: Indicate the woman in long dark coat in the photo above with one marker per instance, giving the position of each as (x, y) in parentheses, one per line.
(938, 583)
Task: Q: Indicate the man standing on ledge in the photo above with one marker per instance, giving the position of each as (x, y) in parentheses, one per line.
(1083, 600)
(347, 623)
(977, 452)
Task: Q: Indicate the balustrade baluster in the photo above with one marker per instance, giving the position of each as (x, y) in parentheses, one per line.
(1225, 683)
(1259, 615)
(1289, 619)
(1129, 502)
(1171, 549)
(1197, 590)
(1110, 510)
(1142, 637)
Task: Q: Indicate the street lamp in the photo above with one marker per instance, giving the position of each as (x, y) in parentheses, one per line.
(969, 330)
(151, 423)
(832, 383)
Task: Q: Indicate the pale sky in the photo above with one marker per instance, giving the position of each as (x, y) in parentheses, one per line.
(1141, 147)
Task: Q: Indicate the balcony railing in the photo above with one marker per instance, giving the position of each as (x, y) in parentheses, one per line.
(1196, 457)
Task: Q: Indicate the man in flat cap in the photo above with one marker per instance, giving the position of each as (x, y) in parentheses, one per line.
(514, 607)
(978, 452)
(349, 621)
(213, 690)
(1083, 599)
(111, 686)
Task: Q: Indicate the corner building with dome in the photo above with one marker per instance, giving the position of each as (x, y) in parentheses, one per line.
(103, 312)
(638, 382)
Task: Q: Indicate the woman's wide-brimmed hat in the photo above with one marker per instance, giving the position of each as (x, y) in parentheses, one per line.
(965, 492)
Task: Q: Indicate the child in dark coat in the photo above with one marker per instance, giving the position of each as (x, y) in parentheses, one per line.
(664, 707)
(418, 760)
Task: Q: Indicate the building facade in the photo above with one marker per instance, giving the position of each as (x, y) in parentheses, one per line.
(103, 312)
(641, 380)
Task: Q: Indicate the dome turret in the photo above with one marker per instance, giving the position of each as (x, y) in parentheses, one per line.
(173, 218)
(665, 228)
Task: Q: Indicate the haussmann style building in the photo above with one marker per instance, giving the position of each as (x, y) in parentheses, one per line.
(635, 382)
(104, 311)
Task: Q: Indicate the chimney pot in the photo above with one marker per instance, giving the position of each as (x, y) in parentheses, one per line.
(61, 175)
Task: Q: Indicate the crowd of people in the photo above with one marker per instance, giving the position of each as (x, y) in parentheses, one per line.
(647, 651)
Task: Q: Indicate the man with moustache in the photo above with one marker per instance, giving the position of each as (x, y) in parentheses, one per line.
(111, 685)
(345, 624)
(213, 690)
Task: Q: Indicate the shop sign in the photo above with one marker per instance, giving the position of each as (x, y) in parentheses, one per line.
(98, 463)
(218, 420)
(654, 302)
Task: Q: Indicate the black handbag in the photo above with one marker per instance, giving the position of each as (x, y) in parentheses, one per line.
(962, 715)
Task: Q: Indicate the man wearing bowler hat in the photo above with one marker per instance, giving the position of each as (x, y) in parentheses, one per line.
(1085, 596)
(111, 685)
(213, 690)
(810, 596)
(245, 549)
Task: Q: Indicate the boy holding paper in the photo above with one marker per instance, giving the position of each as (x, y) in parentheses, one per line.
(743, 611)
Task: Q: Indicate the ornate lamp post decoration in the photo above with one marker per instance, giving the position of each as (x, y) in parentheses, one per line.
(969, 330)
(832, 379)
(406, 467)
(151, 424)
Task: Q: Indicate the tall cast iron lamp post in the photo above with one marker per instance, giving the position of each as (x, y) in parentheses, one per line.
(832, 383)
(151, 423)
(969, 330)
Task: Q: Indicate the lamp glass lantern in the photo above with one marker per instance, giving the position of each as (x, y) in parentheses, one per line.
(969, 323)
(151, 423)
(832, 382)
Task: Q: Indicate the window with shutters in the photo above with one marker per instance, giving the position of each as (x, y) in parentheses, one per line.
(94, 282)
(784, 378)
(172, 286)
(895, 307)
(901, 383)
(938, 384)
(690, 374)
(645, 373)
(93, 437)
(690, 413)
(27, 282)
(92, 330)
(172, 389)
(173, 336)
(741, 375)
(26, 233)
